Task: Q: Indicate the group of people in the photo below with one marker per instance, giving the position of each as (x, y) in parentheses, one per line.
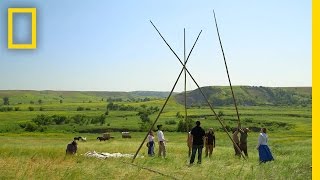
(161, 141)
(198, 139)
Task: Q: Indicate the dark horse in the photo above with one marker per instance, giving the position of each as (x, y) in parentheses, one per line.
(102, 138)
(77, 138)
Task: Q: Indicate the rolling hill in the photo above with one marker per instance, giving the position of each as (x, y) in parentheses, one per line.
(248, 96)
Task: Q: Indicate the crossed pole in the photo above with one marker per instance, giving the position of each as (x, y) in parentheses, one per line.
(186, 70)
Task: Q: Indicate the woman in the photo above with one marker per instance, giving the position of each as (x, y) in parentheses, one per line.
(210, 142)
(151, 144)
(264, 151)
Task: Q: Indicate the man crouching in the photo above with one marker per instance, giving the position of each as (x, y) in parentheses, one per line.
(72, 148)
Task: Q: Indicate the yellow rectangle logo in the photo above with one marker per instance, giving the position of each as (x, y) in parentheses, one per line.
(33, 12)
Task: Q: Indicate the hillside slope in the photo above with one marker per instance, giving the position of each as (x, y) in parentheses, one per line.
(248, 95)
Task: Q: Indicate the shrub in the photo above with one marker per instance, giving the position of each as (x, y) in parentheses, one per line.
(16, 108)
(184, 126)
(30, 126)
(80, 108)
(42, 120)
(57, 119)
(170, 122)
(31, 108)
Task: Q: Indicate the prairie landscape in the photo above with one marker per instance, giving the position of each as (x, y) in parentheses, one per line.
(36, 126)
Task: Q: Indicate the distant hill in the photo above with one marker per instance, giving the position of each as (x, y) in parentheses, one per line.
(248, 95)
(25, 96)
(218, 95)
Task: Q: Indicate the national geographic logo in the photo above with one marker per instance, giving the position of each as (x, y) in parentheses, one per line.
(33, 44)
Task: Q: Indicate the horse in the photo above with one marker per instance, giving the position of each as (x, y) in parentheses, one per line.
(80, 138)
(102, 138)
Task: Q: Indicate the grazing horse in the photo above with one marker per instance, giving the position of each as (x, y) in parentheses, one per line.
(80, 138)
(77, 138)
(102, 138)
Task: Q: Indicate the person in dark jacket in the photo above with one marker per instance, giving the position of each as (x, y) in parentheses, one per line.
(210, 142)
(72, 148)
(198, 136)
(243, 140)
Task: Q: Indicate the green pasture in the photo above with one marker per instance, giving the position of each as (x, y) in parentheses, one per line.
(42, 156)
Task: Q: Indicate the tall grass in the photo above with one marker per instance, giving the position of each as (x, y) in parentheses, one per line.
(42, 156)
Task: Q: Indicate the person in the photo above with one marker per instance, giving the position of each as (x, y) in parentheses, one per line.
(235, 138)
(243, 140)
(189, 143)
(151, 144)
(198, 136)
(72, 148)
(264, 151)
(210, 142)
(161, 140)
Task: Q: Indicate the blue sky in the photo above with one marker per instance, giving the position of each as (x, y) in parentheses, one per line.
(111, 45)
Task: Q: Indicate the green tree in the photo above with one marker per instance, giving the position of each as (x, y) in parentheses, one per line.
(6, 101)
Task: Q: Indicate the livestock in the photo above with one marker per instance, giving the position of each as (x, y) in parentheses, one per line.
(102, 138)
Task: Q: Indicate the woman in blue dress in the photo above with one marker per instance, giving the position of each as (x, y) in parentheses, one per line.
(264, 151)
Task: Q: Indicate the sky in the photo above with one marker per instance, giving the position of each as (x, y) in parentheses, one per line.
(111, 45)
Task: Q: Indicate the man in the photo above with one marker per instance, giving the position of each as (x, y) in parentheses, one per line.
(161, 140)
(72, 148)
(243, 140)
(210, 142)
(235, 138)
(198, 136)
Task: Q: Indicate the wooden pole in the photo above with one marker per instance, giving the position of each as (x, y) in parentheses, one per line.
(225, 63)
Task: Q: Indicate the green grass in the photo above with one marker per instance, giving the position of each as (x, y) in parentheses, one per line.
(42, 156)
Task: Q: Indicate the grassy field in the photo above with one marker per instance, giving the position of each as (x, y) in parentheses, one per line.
(41, 155)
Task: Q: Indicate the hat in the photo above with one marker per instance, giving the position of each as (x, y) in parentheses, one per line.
(158, 126)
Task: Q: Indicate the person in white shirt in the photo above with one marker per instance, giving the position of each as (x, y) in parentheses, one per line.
(161, 140)
(264, 151)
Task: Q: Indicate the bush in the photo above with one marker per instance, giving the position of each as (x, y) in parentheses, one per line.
(170, 122)
(31, 108)
(42, 120)
(41, 109)
(184, 126)
(16, 108)
(57, 119)
(80, 108)
(88, 109)
(30, 126)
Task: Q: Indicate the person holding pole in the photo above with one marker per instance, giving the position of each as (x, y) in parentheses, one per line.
(243, 140)
(235, 138)
(210, 142)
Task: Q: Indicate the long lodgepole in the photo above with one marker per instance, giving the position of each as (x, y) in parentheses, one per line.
(185, 78)
(225, 63)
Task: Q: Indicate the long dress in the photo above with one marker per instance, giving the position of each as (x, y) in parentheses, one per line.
(264, 151)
